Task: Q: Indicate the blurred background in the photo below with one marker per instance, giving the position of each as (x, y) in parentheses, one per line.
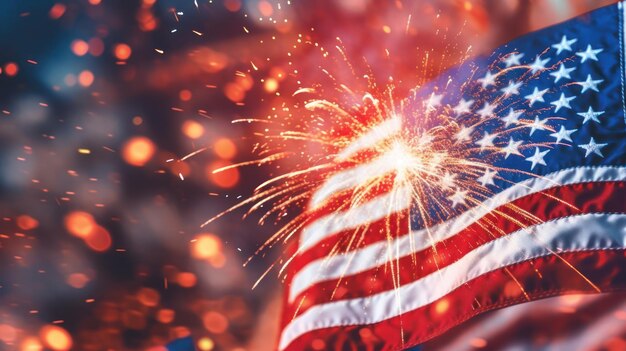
(101, 245)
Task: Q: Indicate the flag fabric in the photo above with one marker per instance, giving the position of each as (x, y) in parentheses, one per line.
(560, 94)
(569, 322)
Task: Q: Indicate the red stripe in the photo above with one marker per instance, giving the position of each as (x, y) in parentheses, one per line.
(540, 278)
(342, 200)
(555, 320)
(342, 242)
(586, 197)
(395, 225)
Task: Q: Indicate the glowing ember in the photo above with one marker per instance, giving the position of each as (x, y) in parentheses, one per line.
(223, 178)
(80, 224)
(31, 344)
(192, 129)
(206, 246)
(225, 148)
(122, 51)
(138, 151)
(56, 338)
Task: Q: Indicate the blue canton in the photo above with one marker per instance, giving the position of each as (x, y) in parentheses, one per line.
(557, 92)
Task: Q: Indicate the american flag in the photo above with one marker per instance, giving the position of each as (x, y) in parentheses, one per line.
(559, 93)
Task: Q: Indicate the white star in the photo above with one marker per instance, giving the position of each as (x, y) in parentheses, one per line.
(563, 134)
(513, 59)
(563, 101)
(537, 158)
(511, 89)
(458, 198)
(512, 117)
(447, 181)
(593, 148)
(463, 107)
(486, 110)
(487, 178)
(486, 141)
(564, 45)
(563, 72)
(537, 124)
(590, 84)
(538, 65)
(589, 53)
(433, 101)
(487, 80)
(537, 95)
(512, 148)
(590, 115)
(464, 134)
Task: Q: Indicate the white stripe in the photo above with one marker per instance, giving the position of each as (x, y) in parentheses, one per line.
(341, 265)
(353, 177)
(373, 136)
(582, 232)
(355, 217)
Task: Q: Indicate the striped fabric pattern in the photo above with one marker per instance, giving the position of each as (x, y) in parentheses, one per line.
(561, 90)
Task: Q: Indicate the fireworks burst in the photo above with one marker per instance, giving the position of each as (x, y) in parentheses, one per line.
(352, 150)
